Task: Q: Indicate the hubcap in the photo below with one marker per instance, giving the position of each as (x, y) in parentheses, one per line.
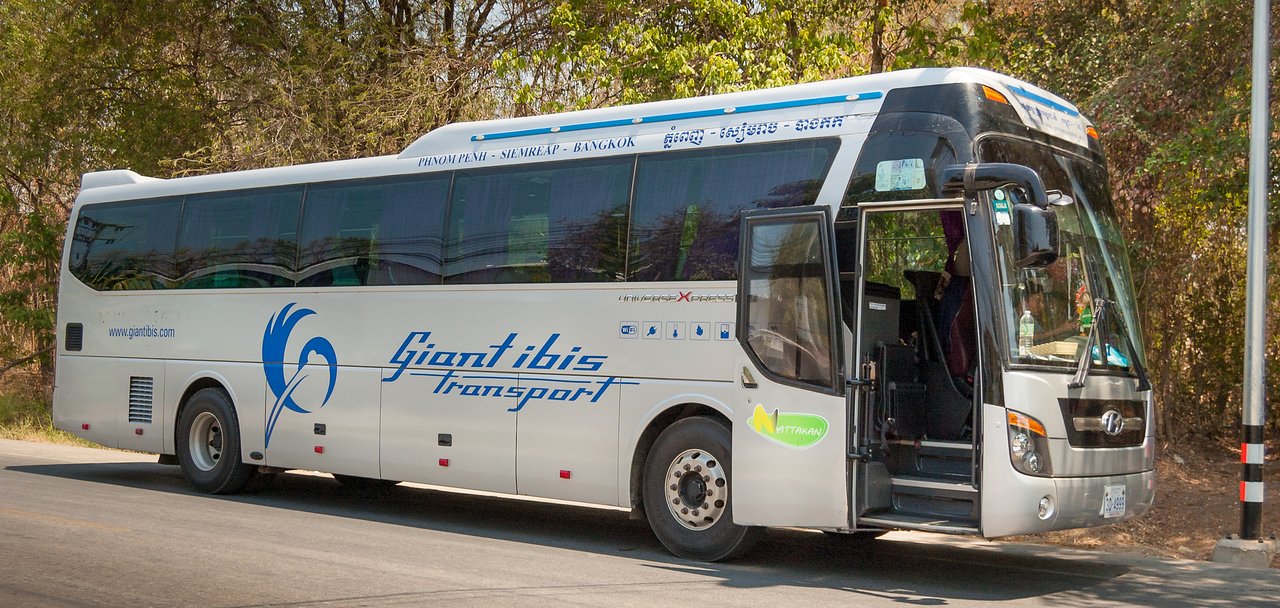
(697, 489)
(205, 442)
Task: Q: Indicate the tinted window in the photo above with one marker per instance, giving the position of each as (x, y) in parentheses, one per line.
(126, 245)
(375, 232)
(788, 299)
(563, 223)
(686, 210)
(899, 165)
(239, 239)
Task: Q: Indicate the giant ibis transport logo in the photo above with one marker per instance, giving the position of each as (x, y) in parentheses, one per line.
(274, 341)
(787, 429)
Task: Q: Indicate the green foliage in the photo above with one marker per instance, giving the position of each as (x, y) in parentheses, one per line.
(625, 51)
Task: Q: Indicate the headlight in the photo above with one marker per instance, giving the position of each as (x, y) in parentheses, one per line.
(1028, 445)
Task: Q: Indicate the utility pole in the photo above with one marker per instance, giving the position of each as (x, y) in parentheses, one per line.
(1249, 548)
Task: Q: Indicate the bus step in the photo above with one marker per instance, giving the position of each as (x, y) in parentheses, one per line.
(925, 523)
(951, 460)
(934, 498)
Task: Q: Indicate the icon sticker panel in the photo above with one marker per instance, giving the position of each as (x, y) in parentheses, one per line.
(724, 330)
(700, 330)
(652, 330)
(629, 330)
(675, 330)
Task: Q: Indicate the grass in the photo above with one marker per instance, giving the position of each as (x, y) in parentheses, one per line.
(26, 414)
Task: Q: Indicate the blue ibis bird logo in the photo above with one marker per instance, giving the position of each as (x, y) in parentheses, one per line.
(274, 341)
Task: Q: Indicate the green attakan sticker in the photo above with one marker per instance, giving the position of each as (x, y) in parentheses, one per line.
(790, 430)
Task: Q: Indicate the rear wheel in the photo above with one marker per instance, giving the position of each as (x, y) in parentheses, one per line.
(208, 444)
(686, 492)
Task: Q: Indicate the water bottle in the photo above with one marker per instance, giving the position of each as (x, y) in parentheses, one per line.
(1026, 331)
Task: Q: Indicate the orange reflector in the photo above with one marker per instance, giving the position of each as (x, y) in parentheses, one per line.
(1092, 132)
(994, 95)
(1027, 422)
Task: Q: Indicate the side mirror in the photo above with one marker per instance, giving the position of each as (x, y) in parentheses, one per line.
(1034, 222)
(1035, 233)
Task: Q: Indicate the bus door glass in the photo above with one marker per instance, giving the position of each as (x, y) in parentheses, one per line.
(917, 342)
(789, 429)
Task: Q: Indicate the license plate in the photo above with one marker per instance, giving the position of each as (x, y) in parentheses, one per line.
(1112, 501)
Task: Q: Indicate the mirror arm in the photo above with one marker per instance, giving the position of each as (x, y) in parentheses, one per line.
(971, 177)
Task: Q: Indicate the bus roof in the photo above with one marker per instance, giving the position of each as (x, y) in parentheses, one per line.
(496, 141)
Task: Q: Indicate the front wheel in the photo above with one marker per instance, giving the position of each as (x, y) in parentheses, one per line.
(686, 492)
(208, 444)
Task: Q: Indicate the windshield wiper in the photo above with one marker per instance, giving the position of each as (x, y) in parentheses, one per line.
(1100, 308)
(1082, 368)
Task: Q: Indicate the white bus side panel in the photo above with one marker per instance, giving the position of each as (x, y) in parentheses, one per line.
(579, 437)
(347, 443)
(417, 411)
(94, 391)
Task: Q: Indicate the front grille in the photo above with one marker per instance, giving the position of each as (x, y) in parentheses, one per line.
(141, 393)
(1087, 420)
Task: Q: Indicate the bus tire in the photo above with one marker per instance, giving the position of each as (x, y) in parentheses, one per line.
(686, 492)
(366, 487)
(208, 444)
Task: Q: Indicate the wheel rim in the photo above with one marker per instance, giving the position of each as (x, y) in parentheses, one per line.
(205, 442)
(696, 489)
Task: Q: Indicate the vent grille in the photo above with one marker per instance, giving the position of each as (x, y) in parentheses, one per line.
(75, 337)
(141, 391)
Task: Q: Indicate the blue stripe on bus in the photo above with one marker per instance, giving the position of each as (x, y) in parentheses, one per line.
(622, 122)
(1045, 101)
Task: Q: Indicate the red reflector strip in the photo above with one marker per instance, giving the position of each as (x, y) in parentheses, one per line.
(444, 462)
(137, 431)
(84, 426)
(564, 474)
(319, 449)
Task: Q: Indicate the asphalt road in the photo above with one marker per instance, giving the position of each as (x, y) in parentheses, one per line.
(85, 527)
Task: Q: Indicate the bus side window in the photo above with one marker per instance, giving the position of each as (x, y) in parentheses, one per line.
(535, 224)
(126, 245)
(384, 232)
(239, 239)
(685, 215)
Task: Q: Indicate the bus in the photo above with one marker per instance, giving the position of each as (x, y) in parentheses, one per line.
(899, 301)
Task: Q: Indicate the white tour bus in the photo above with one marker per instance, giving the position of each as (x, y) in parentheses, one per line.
(898, 301)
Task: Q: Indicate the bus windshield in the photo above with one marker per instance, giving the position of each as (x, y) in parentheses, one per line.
(1062, 301)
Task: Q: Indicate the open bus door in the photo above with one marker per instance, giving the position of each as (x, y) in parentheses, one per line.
(789, 443)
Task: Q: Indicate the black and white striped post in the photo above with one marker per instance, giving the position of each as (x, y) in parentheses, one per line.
(1249, 548)
(1255, 315)
(1252, 452)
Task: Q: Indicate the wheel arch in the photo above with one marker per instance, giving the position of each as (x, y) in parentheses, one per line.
(664, 417)
(194, 384)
